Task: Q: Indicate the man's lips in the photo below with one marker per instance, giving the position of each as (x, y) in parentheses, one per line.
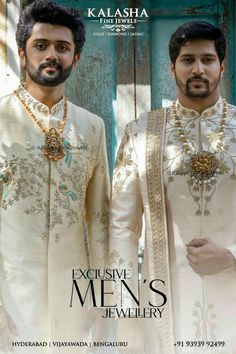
(51, 68)
(198, 81)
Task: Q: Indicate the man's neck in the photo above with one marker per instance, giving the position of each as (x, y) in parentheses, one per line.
(46, 95)
(198, 104)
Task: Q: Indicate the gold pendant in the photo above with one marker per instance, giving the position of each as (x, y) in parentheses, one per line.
(203, 166)
(54, 149)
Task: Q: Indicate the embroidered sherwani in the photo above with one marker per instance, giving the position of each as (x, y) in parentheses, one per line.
(54, 218)
(152, 178)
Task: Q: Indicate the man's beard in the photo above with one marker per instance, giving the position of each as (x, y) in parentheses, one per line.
(189, 92)
(56, 78)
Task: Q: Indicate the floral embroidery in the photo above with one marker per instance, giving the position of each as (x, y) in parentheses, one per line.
(116, 261)
(118, 182)
(65, 191)
(177, 164)
(38, 106)
(124, 164)
(44, 236)
(102, 218)
(199, 192)
(124, 156)
(205, 321)
(30, 173)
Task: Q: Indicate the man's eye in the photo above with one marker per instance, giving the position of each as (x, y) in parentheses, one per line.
(62, 48)
(187, 60)
(208, 60)
(41, 46)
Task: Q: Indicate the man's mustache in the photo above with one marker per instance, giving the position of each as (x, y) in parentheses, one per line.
(50, 64)
(198, 78)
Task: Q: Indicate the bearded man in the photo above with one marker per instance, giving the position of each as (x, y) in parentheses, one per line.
(176, 167)
(54, 188)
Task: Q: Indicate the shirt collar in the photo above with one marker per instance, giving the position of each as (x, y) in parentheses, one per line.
(212, 111)
(37, 105)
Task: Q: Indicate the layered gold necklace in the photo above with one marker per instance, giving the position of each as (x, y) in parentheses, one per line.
(54, 142)
(203, 165)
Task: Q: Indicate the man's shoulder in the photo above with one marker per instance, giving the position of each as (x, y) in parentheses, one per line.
(232, 108)
(140, 124)
(6, 99)
(232, 113)
(84, 115)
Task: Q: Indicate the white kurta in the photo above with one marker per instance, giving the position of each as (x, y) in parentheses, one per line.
(46, 206)
(203, 305)
(204, 308)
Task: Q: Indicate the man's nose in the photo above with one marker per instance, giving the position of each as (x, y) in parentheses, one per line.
(51, 53)
(198, 68)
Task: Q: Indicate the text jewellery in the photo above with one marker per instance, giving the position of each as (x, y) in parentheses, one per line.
(54, 142)
(203, 166)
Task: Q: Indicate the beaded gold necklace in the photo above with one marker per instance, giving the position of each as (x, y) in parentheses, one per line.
(54, 142)
(203, 166)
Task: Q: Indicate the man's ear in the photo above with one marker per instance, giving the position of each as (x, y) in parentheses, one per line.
(22, 56)
(76, 59)
(172, 70)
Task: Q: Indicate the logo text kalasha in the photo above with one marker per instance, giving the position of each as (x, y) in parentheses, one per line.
(126, 12)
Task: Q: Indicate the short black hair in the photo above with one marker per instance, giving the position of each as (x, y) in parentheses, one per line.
(45, 11)
(195, 30)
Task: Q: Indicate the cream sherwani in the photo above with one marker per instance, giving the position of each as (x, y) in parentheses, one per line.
(151, 179)
(47, 209)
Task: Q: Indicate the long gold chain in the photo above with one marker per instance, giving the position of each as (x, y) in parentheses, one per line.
(54, 148)
(61, 124)
(182, 136)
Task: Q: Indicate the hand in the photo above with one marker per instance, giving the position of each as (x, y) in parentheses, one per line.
(7, 330)
(206, 257)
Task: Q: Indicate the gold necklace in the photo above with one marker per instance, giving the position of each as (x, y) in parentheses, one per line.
(54, 142)
(203, 166)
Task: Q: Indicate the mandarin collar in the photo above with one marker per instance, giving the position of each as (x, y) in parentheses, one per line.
(214, 110)
(37, 105)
